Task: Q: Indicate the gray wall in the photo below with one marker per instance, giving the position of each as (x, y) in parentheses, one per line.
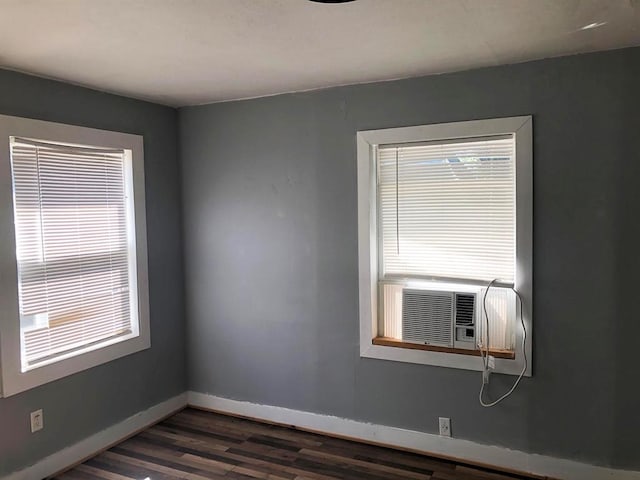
(82, 404)
(270, 225)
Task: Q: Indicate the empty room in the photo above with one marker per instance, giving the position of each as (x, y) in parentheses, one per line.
(319, 239)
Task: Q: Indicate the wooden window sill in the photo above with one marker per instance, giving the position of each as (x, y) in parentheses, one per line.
(392, 342)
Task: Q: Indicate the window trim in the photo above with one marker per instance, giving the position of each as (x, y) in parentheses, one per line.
(13, 380)
(366, 143)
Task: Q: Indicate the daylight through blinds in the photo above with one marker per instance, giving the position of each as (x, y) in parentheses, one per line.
(74, 248)
(447, 209)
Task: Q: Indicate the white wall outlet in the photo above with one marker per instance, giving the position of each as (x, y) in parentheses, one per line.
(445, 426)
(37, 421)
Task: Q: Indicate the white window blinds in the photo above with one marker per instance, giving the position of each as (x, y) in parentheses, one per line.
(75, 242)
(447, 209)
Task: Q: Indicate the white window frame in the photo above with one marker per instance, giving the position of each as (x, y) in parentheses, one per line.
(13, 380)
(367, 141)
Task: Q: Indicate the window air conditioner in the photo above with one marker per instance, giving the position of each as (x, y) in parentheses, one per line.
(443, 318)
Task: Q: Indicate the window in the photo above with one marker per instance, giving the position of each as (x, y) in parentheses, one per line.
(444, 210)
(74, 251)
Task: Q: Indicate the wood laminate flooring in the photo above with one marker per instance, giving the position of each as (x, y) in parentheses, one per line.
(199, 445)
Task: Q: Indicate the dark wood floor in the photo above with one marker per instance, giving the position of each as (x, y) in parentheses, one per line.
(198, 445)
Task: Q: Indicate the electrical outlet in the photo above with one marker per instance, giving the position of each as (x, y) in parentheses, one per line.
(445, 426)
(37, 421)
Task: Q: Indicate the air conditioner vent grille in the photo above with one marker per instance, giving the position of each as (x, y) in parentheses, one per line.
(465, 304)
(427, 317)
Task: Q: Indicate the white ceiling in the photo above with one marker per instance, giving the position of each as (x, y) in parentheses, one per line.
(186, 52)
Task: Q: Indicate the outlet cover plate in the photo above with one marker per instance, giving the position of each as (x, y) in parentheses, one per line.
(445, 426)
(37, 421)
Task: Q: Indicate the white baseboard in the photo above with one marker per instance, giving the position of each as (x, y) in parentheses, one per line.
(101, 440)
(419, 441)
